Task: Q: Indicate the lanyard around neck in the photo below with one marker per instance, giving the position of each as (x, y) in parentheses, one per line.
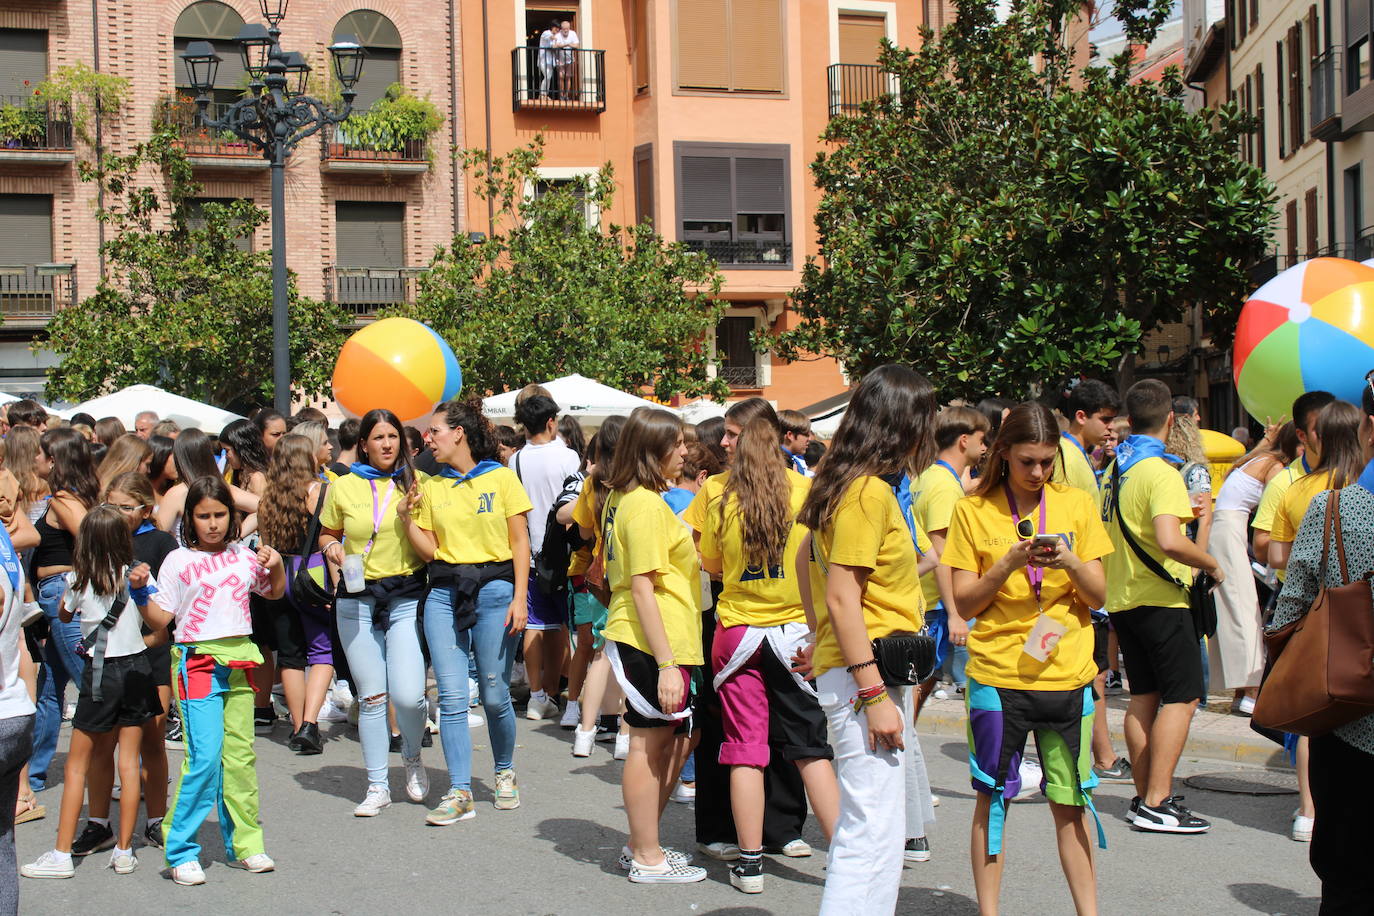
(949, 467)
(1036, 574)
(378, 511)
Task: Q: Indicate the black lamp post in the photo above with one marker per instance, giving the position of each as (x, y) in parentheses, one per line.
(276, 117)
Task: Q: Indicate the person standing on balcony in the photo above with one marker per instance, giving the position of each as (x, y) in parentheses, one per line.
(565, 43)
(546, 58)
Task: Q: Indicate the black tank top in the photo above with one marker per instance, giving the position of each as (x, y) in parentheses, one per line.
(54, 544)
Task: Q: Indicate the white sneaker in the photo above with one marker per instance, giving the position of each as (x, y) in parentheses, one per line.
(341, 693)
(257, 863)
(417, 778)
(330, 711)
(475, 720)
(1031, 774)
(188, 874)
(51, 864)
(723, 852)
(622, 745)
(541, 708)
(518, 677)
(583, 742)
(934, 800)
(796, 849)
(683, 794)
(1246, 707)
(123, 863)
(474, 692)
(377, 799)
(30, 612)
(666, 873)
(940, 693)
(1302, 828)
(572, 714)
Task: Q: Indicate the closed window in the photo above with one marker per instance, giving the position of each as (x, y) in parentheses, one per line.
(577, 187)
(218, 24)
(370, 234)
(644, 183)
(25, 242)
(641, 45)
(730, 45)
(860, 37)
(23, 62)
(382, 66)
(733, 203)
(736, 361)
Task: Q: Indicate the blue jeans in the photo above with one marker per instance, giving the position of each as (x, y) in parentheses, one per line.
(449, 652)
(385, 665)
(61, 664)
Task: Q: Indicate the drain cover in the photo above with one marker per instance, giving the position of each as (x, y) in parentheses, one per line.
(1247, 782)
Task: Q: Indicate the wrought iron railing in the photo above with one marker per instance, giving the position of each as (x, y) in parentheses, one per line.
(340, 143)
(1325, 89)
(36, 290)
(758, 252)
(364, 291)
(198, 140)
(1364, 244)
(740, 376)
(558, 79)
(852, 85)
(27, 124)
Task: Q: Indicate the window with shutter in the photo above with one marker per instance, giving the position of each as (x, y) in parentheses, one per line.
(382, 66)
(729, 45)
(218, 24)
(735, 356)
(1290, 218)
(641, 49)
(860, 38)
(703, 54)
(1354, 208)
(196, 219)
(1261, 136)
(369, 234)
(644, 183)
(1309, 205)
(1296, 134)
(25, 229)
(733, 202)
(23, 61)
(1279, 121)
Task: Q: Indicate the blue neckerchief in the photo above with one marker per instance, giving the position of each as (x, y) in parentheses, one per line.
(478, 470)
(9, 559)
(1138, 448)
(1306, 468)
(1074, 439)
(145, 528)
(902, 490)
(1367, 478)
(798, 463)
(368, 472)
(949, 467)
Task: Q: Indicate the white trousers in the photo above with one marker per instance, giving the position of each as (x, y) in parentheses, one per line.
(864, 868)
(1237, 651)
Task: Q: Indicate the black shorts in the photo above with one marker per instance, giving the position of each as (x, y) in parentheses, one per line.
(264, 625)
(638, 672)
(160, 663)
(128, 695)
(289, 638)
(1161, 651)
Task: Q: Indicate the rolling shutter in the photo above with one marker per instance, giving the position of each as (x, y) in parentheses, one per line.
(644, 184)
(703, 57)
(706, 189)
(230, 74)
(860, 38)
(641, 50)
(760, 186)
(369, 234)
(23, 56)
(381, 68)
(756, 45)
(25, 229)
(1309, 205)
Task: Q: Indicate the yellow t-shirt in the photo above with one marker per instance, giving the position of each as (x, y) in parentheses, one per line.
(349, 506)
(584, 517)
(643, 536)
(1294, 506)
(1074, 469)
(753, 595)
(695, 513)
(867, 530)
(1273, 495)
(1152, 487)
(469, 518)
(982, 532)
(933, 496)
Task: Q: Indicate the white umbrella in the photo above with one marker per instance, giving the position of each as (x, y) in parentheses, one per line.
(128, 403)
(700, 410)
(577, 395)
(7, 398)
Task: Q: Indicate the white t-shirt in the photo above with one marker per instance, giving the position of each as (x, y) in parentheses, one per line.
(208, 592)
(14, 696)
(125, 637)
(542, 470)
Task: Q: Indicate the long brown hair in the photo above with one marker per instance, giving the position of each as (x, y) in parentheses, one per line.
(1338, 438)
(21, 455)
(1029, 422)
(104, 547)
(1284, 450)
(887, 429)
(127, 453)
(72, 467)
(649, 435)
(285, 509)
(601, 452)
(759, 493)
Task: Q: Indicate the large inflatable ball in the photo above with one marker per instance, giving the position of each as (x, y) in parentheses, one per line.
(1310, 328)
(399, 364)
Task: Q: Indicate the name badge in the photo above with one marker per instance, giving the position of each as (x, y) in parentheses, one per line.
(1044, 638)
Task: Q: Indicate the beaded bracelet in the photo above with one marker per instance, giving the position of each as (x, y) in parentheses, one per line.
(852, 668)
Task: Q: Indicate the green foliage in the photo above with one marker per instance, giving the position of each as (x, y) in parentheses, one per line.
(86, 93)
(393, 120)
(22, 122)
(182, 307)
(999, 223)
(547, 295)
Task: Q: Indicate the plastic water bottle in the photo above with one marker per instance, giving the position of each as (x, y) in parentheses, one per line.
(353, 573)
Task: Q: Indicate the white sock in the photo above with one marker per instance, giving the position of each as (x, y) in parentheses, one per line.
(121, 852)
(62, 856)
(102, 821)
(538, 695)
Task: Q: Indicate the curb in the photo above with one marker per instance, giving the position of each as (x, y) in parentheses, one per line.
(1253, 750)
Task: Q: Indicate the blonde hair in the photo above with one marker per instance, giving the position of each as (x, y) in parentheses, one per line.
(1185, 441)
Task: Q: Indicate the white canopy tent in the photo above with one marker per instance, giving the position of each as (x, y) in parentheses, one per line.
(703, 409)
(128, 403)
(6, 398)
(825, 427)
(581, 397)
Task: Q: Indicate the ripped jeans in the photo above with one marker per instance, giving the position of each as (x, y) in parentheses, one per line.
(385, 665)
(493, 647)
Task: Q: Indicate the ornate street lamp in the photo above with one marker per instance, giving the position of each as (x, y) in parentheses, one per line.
(274, 118)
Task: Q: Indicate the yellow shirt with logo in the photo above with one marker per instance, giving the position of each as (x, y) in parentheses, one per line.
(980, 535)
(644, 537)
(1273, 495)
(1073, 468)
(867, 530)
(753, 595)
(933, 496)
(1152, 487)
(470, 518)
(349, 506)
(1294, 506)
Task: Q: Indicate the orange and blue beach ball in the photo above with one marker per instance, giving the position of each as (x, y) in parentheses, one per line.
(399, 364)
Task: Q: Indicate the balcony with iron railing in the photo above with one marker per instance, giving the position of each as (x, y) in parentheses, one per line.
(1363, 249)
(206, 147)
(853, 85)
(1324, 109)
(342, 150)
(365, 291)
(558, 79)
(740, 376)
(32, 293)
(757, 253)
(34, 131)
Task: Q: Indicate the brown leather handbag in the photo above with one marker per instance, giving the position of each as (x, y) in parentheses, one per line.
(1322, 673)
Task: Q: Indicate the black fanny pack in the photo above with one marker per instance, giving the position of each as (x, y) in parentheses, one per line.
(904, 661)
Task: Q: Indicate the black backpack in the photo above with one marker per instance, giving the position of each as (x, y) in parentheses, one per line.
(555, 553)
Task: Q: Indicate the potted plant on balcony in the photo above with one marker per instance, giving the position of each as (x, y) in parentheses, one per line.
(22, 124)
(393, 121)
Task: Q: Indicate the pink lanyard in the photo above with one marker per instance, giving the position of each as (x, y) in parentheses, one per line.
(1036, 574)
(378, 510)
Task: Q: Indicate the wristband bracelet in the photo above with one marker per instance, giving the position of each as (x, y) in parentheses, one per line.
(861, 703)
(867, 692)
(852, 668)
(670, 663)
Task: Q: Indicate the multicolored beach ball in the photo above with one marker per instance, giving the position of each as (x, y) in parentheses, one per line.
(1310, 328)
(399, 364)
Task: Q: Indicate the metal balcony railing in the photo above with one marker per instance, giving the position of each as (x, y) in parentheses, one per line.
(1364, 244)
(364, 291)
(197, 139)
(1324, 110)
(740, 376)
(36, 291)
(752, 252)
(851, 85)
(26, 124)
(558, 79)
(338, 143)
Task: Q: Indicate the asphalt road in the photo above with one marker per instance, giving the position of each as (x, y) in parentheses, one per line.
(556, 853)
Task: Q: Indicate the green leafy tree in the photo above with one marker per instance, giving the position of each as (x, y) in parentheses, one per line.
(1005, 218)
(183, 307)
(547, 295)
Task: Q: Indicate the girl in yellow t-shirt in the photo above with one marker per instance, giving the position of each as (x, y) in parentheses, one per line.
(749, 536)
(865, 584)
(1337, 460)
(469, 522)
(1031, 652)
(653, 632)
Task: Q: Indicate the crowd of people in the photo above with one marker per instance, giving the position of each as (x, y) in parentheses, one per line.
(752, 619)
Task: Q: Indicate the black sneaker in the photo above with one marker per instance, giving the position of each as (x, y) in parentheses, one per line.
(395, 746)
(1118, 772)
(173, 734)
(152, 834)
(294, 742)
(428, 739)
(264, 717)
(607, 727)
(1114, 684)
(95, 838)
(308, 740)
(1129, 816)
(1169, 816)
(747, 875)
(917, 849)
